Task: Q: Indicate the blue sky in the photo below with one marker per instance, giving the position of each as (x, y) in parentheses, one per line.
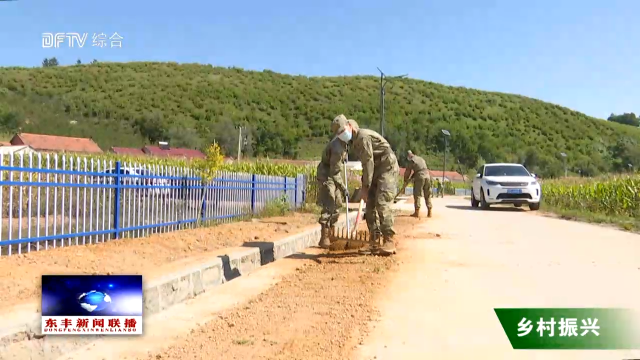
(583, 54)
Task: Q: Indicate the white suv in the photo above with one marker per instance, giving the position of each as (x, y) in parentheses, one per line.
(505, 184)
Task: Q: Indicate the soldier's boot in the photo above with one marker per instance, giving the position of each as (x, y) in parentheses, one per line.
(373, 246)
(429, 212)
(325, 243)
(388, 246)
(416, 213)
(332, 233)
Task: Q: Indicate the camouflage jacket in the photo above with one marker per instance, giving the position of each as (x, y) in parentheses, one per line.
(372, 150)
(331, 163)
(418, 167)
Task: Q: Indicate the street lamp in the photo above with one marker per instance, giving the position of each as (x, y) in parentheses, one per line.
(383, 84)
(445, 134)
(564, 160)
(239, 142)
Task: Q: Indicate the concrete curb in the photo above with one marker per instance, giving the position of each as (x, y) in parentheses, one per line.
(174, 288)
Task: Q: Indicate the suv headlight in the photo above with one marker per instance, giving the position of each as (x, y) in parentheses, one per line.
(492, 183)
(534, 183)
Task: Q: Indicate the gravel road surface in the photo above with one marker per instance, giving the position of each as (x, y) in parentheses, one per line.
(434, 300)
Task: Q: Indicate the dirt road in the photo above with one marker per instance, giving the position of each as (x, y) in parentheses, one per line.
(440, 303)
(434, 300)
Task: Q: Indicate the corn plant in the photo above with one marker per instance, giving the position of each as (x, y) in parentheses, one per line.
(610, 195)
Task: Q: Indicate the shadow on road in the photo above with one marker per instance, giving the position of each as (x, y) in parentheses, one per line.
(494, 208)
(327, 256)
(404, 215)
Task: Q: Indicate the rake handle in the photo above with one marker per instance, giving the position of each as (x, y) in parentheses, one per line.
(358, 218)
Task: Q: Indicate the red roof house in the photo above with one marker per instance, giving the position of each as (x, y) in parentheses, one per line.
(127, 151)
(160, 151)
(173, 152)
(448, 175)
(51, 143)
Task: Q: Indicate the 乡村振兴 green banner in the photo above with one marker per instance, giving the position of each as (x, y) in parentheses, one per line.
(574, 328)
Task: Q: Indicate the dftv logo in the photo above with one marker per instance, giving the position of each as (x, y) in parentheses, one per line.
(51, 40)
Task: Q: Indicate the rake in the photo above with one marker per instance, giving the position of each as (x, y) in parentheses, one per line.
(347, 237)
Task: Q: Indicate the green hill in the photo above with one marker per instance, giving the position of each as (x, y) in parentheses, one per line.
(129, 104)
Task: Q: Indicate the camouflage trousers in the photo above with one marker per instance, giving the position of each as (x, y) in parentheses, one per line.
(422, 188)
(330, 201)
(379, 215)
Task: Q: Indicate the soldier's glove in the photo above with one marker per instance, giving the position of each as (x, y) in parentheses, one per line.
(364, 193)
(345, 195)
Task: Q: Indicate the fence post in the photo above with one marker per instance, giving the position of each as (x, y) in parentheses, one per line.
(253, 193)
(285, 191)
(203, 196)
(295, 201)
(304, 188)
(116, 205)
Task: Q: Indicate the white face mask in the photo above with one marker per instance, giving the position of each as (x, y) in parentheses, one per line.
(345, 135)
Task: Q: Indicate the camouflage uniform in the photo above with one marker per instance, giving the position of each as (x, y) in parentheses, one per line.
(440, 188)
(421, 183)
(379, 175)
(331, 187)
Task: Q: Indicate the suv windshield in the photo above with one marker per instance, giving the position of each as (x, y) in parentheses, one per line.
(505, 170)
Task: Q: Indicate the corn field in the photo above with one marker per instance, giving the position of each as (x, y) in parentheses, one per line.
(613, 195)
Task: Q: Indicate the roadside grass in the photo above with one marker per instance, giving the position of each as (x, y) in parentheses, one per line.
(622, 222)
(282, 207)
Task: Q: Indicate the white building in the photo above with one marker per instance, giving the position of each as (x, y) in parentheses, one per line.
(354, 165)
(16, 149)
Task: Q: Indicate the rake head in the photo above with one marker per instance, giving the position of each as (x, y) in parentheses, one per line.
(341, 239)
(341, 233)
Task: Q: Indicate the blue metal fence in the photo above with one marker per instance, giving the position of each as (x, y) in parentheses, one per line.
(56, 200)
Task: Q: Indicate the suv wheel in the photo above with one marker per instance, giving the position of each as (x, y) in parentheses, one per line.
(534, 206)
(474, 202)
(483, 203)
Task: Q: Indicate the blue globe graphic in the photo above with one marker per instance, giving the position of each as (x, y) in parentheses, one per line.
(94, 301)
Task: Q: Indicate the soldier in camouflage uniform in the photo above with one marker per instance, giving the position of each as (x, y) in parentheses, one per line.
(331, 184)
(379, 183)
(421, 182)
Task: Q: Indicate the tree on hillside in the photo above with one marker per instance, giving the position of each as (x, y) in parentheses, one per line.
(152, 127)
(626, 151)
(78, 62)
(179, 136)
(626, 119)
(50, 62)
(464, 150)
(224, 133)
(129, 104)
(10, 121)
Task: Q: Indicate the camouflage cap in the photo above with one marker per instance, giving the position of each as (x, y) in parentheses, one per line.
(353, 123)
(338, 122)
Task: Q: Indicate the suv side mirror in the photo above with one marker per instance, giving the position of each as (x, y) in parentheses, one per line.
(479, 176)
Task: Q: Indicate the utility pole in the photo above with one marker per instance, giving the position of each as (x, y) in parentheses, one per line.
(239, 142)
(446, 134)
(564, 161)
(383, 84)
